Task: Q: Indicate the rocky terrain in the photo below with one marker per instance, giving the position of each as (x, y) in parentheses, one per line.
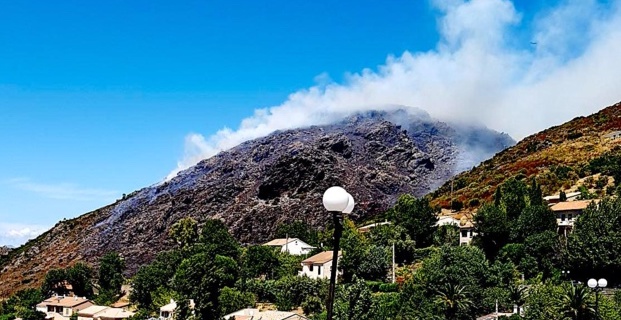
(4, 250)
(260, 184)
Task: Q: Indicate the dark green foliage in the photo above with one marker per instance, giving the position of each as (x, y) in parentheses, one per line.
(454, 300)
(264, 290)
(55, 283)
(535, 195)
(493, 229)
(456, 205)
(446, 234)
(260, 260)
(562, 196)
(576, 303)
(353, 301)
(386, 306)
(544, 248)
(149, 278)
(300, 230)
(608, 163)
(594, 245)
(111, 269)
(513, 197)
(388, 287)
(217, 240)
(231, 300)
(534, 220)
(312, 305)
(22, 304)
(417, 217)
(288, 265)
(293, 290)
(80, 276)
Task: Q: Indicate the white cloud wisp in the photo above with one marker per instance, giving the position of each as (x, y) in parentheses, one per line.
(480, 70)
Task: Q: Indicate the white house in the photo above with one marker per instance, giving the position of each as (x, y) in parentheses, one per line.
(62, 307)
(447, 220)
(168, 311)
(567, 213)
(318, 266)
(571, 196)
(256, 314)
(466, 231)
(104, 313)
(294, 246)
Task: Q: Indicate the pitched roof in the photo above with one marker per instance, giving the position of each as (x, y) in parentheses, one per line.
(571, 205)
(280, 242)
(255, 314)
(62, 301)
(92, 310)
(114, 313)
(320, 258)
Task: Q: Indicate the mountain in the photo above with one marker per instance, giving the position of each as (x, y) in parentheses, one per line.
(260, 184)
(557, 157)
(4, 250)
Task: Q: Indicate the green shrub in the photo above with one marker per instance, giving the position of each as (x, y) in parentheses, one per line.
(388, 287)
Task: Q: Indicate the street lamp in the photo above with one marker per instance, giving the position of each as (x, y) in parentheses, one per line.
(337, 201)
(597, 286)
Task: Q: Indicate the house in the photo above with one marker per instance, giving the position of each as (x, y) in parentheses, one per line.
(368, 227)
(256, 314)
(571, 196)
(466, 231)
(567, 212)
(294, 246)
(167, 311)
(103, 313)
(318, 266)
(62, 307)
(447, 220)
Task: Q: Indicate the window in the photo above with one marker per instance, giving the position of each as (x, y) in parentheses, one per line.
(310, 268)
(319, 270)
(464, 233)
(563, 217)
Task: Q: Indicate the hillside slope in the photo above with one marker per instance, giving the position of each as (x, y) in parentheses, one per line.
(557, 157)
(260, 184)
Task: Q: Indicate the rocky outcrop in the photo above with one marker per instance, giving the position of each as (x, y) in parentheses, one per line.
(255, 187)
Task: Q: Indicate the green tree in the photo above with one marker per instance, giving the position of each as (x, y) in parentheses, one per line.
(111, 269)
(513, 198)
(231, 300)
(353, 301)
(216, 239)
(446, 234)
(576, 303)
(153, 276)
(55, 283)
(454, 299)
(417, 217)
(562, 196)
(80, 276)
(534, 220)
(184, 232)
(260, 260)
(493, 230)
(544, 248)
(535, 195)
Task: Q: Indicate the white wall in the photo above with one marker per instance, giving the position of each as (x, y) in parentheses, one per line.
(320, 271)
(297, 247)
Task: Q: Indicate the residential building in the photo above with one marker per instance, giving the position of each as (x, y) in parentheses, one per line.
(256, 314)
(293, 246)
(104, 313)
(62, 307)
(447, 220)
(567, 213)
(571, 196)
(466, 231)
(368, 227)
(167, 311)
(318, 266)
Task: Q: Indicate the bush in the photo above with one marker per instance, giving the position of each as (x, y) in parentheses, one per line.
(388, 287)
(312, 305)
(374, 286)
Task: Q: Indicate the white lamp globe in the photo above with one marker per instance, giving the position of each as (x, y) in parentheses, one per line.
(602, 283)
(592, 283)
(350, 204)
(335, 199)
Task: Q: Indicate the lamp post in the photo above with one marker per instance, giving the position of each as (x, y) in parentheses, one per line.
(597, 286)
(337, 201)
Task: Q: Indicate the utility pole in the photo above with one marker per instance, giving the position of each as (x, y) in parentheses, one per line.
(393, 262)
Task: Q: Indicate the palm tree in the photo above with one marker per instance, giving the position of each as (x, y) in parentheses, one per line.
(517, 295)
(576, 303)
(454, 298)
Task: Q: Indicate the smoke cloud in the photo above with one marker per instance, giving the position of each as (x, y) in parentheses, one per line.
(491, 66)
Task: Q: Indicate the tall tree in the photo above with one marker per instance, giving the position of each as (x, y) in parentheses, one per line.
(534, 220)
(55, 283)
(513, 198)
(454, 299)
(216, 239)
(576, 303)
(417, 217)
(260, 260)
(353, 302)
(184, 232)
(535, 195)
(493, 229)
(80, 276)
(111, 269)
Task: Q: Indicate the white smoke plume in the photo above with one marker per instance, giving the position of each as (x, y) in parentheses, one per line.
(489, 66)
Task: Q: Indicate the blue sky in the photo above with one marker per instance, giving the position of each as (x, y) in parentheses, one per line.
(102, 98)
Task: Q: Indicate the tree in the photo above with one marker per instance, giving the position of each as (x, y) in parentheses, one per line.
(231, 300)
(576, 303)
(375, 264)
(454, 299)
(417, 217)
(534, 220)
(216, 239)
(513, 198)
(562, 196)
(55, 283)
(150, 278)
(535, 195)
(353, 302)
(184, 232)
(111, 269)
(493, 229)
(446, 234)
(201, 277)
(80, 276)
(517, 295)
(259, 260)
(544, 248)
